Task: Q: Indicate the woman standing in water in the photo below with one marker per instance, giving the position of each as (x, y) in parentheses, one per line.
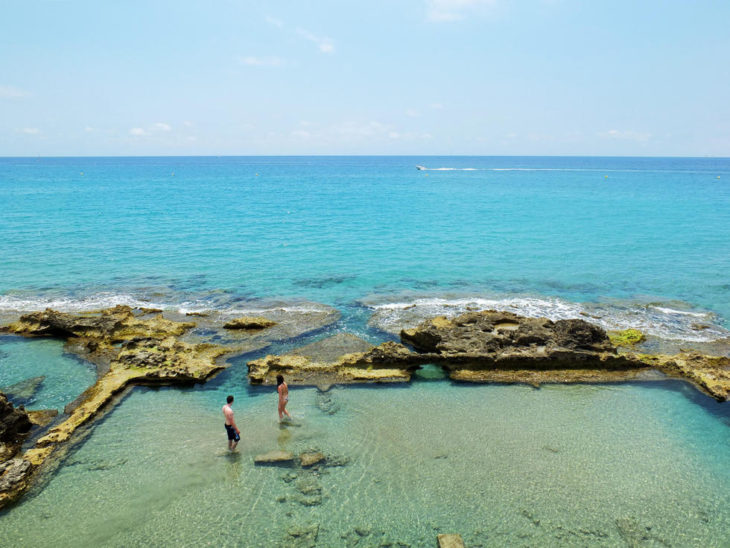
(283, 390)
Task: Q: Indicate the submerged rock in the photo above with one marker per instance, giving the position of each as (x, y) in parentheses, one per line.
(23, 391)
(275, 458)
(300, 536)
(310, 459)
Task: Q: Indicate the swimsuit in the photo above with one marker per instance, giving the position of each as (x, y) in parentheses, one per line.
(232, 434)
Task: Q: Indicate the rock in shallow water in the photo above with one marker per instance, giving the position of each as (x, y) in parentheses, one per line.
(275, 458)
(23, 391)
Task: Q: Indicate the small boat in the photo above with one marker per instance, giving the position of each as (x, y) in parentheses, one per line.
(420, 168)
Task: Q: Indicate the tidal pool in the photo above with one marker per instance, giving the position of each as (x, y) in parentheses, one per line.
(66, 376)
(605, 465)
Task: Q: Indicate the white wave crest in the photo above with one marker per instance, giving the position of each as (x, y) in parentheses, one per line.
(10, 304)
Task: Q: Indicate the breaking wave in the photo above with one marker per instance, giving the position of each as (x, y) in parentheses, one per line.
(657, 319)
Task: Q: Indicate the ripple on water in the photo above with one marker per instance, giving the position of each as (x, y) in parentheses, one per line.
(499, 464)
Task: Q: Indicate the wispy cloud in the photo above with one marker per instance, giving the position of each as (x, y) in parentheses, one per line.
(31, 131)
(454, 10)
(157, 127)
(324, 44)
(274, 21)
(253, 61)
(11, 92)
(626, 135)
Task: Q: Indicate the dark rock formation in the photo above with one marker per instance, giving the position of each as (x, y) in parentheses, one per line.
(14, 422)
(491, 333)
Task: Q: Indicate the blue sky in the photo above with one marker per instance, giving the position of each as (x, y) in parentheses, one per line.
(484, 77)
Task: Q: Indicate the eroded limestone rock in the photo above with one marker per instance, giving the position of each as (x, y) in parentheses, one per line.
(389, 362)
(253, 323)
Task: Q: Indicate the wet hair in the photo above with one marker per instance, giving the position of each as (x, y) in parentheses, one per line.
(279, 379)
(229, 399)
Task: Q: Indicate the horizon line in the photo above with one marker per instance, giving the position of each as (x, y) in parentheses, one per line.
(708, 157)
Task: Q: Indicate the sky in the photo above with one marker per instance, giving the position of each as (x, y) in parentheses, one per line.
(415, 77)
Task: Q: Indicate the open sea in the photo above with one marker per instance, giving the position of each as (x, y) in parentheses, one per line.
(623, 242)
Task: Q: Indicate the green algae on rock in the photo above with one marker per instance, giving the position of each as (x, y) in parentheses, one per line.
(627, 337)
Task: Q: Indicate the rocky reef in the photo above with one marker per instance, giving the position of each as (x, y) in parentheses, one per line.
(494, 346)
(342, 358)
(128, 346)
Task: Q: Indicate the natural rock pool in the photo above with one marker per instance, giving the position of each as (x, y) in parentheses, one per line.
(510, 465)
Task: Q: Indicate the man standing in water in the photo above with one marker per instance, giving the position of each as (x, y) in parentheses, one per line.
(234, 434)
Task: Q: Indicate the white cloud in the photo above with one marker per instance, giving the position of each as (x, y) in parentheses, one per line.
(31, 131)
(453, 10)
(11, 92)
(412, 113)
(626, 135)
(188, 123)
(324, 44)
(88, 129)
(157, 127)
(253, 61)
(274, 21)
(437, 106)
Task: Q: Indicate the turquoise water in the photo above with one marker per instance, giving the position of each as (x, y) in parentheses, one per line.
(65, 375)
(502, 465)
(628, 242)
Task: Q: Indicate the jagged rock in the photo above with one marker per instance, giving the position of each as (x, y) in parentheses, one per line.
(249, 323)
(275, 458)
(14, 422)
(23, 391)
(12, 472)
(310, 459)
(116, 324)
(490, 332)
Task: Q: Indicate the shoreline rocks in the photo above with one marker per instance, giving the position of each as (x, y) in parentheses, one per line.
(495, 346)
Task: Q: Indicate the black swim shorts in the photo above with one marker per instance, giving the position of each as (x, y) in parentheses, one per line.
(232, 434)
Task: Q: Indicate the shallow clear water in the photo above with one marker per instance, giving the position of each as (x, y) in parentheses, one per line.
(507, 465)
(65, 375)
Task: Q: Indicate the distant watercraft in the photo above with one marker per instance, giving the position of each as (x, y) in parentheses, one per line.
(420, 168)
